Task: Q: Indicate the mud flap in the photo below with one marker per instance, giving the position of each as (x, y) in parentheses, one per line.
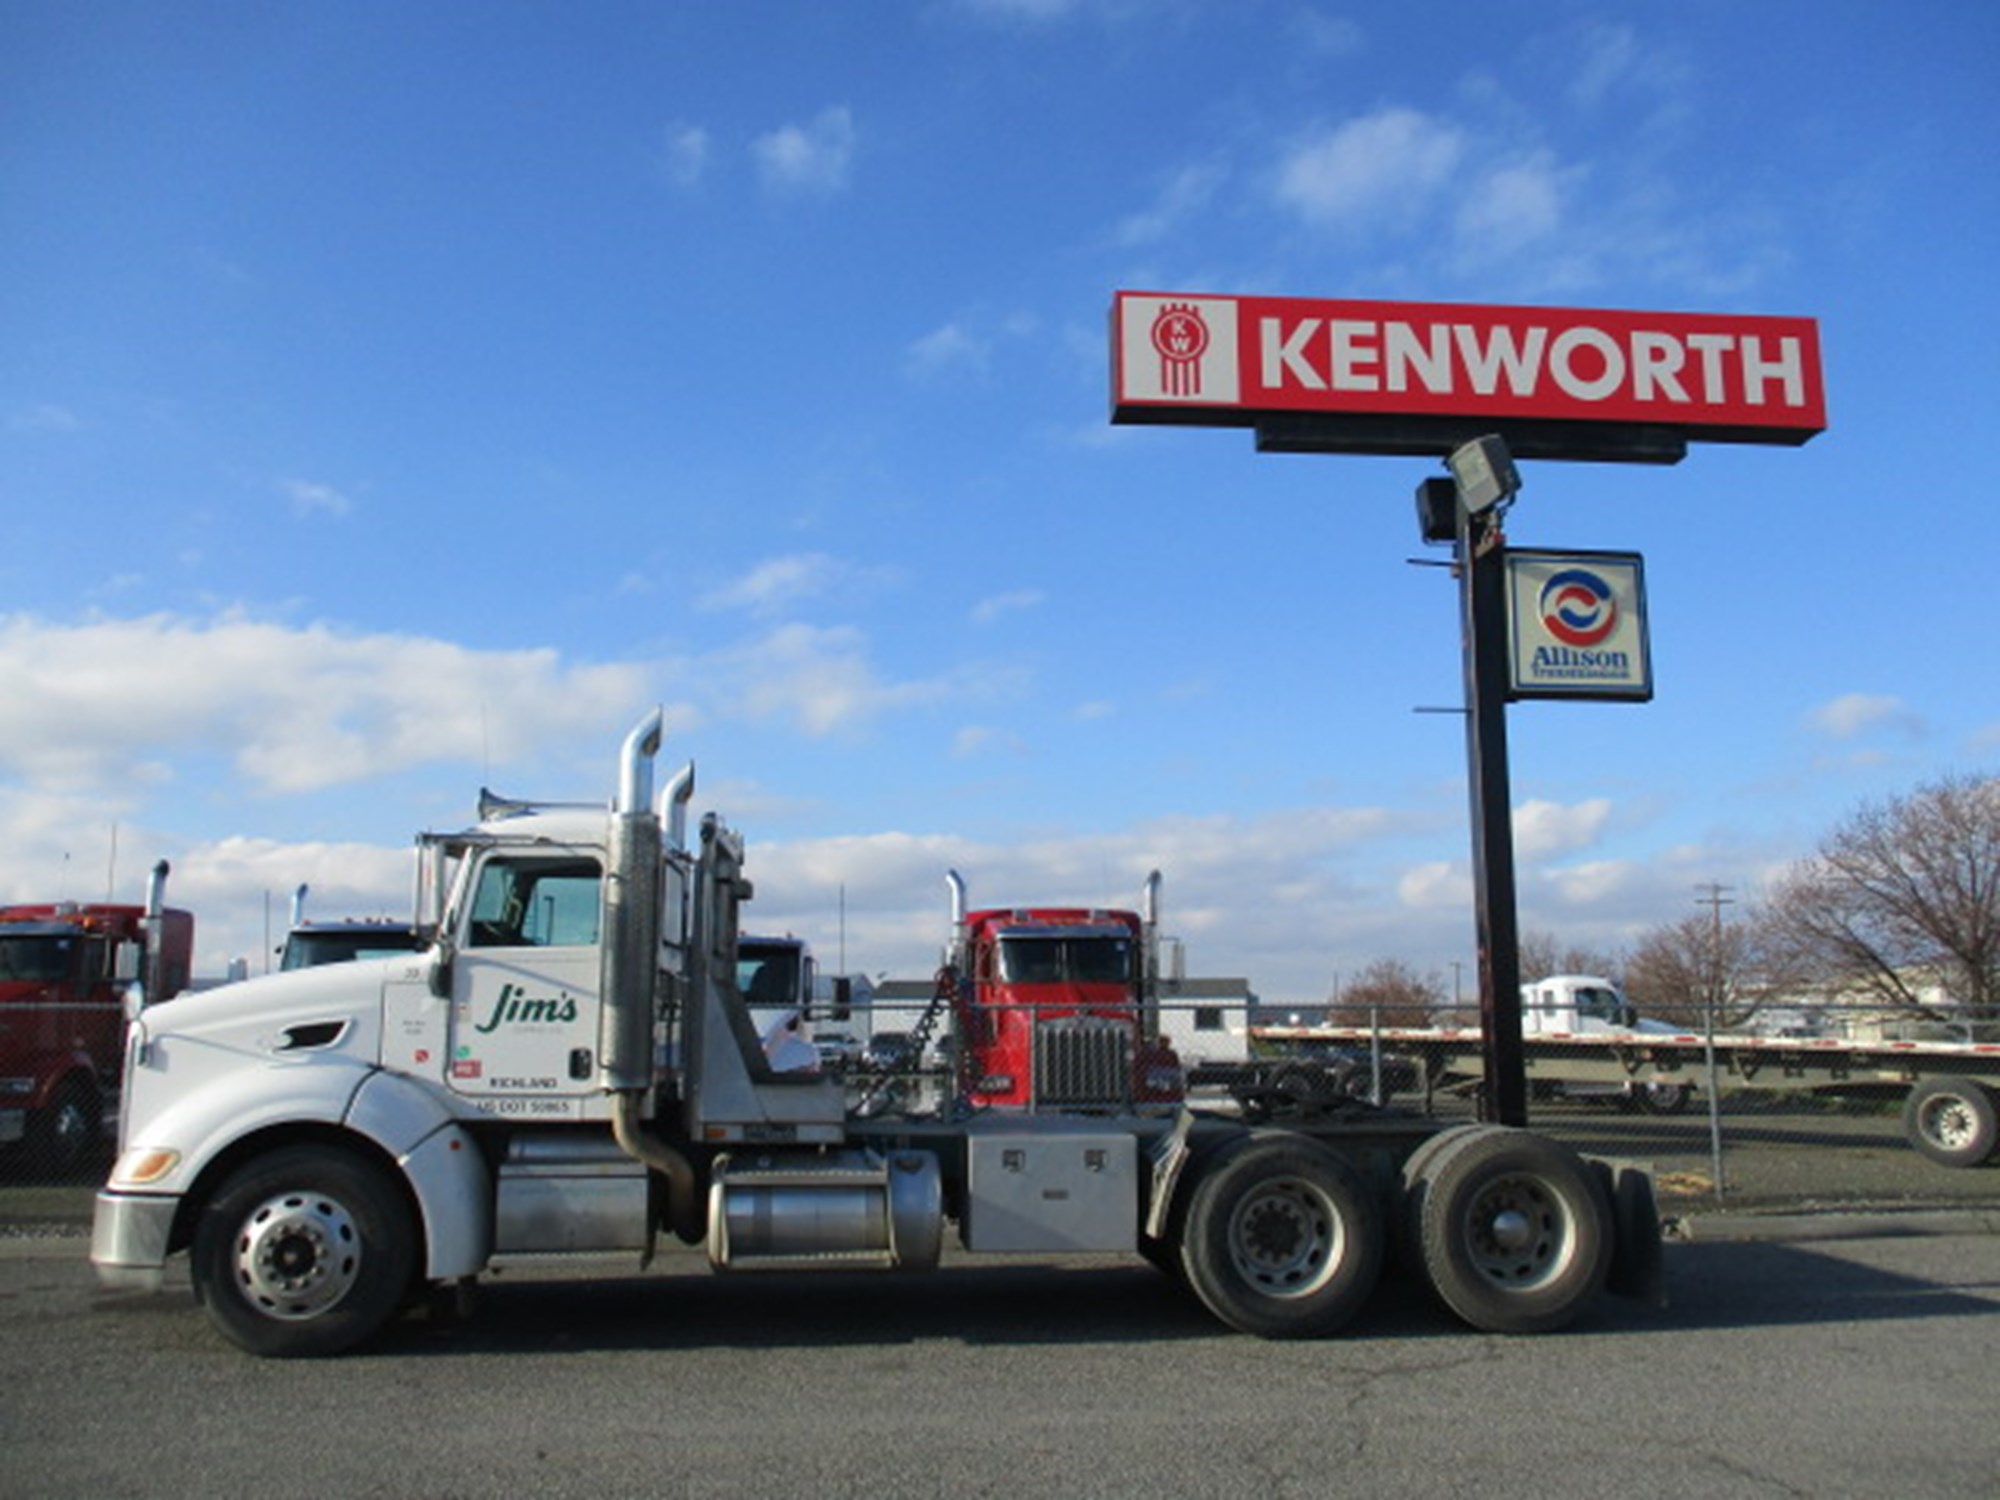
(1638, 1264)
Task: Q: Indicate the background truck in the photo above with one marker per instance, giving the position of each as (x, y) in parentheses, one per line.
(1581, 1037)
(310, 943)
(65, 969)
(783, 987)
(1057, 1006)
(571, 1068)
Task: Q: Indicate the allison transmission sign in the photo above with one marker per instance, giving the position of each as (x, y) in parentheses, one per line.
(1242, 361)
(1576, 626)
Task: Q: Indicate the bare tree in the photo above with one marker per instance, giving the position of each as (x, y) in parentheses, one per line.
(1390, 992)
(1683, 971)
(1543, 954)
(1903, 893)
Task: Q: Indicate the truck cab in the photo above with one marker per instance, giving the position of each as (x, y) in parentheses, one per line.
(1581, 1005)
(66, 970)
(1058, 1008)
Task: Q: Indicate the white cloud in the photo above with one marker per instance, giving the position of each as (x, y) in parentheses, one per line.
(820, 680)
(1513, 207)
(309, 498)
(1543, 830)
(946, 348)
(778, 584)
(812, 159)
(1020, 10)
(1185, 195)
(993, 606)
(44, 417)
(1378, 168)
(684, 151)
(1437, 885)
(1855, 714)
(1328, 36)
(292, 709)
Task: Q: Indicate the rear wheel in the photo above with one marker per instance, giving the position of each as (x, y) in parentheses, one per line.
(1515, 1231)
(1953, 1121)
(1281, 1239)
(306, 1251)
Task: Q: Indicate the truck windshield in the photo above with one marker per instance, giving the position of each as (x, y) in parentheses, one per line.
(768, 976)
(40, 959)
(1065, 960)
(1595, 1003)
(308, 950)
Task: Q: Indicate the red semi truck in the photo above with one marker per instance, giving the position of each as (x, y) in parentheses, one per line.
(1058, 1007)
(65, 971)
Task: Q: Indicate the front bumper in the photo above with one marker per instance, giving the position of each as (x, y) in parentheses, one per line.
(129, 1236)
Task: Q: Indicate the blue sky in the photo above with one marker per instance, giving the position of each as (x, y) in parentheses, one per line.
(395, 399)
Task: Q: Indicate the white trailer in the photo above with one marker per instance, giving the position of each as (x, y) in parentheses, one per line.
(571, 1068)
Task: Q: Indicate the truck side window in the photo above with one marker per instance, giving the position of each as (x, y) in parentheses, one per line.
(535, 903)
(1596, 1004)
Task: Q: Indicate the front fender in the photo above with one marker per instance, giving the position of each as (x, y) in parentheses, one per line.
(203, 1123)
(442, 1164)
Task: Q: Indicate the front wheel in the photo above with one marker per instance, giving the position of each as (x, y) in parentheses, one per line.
(1953, 1121)
(1281, 1239)
(306, 1251)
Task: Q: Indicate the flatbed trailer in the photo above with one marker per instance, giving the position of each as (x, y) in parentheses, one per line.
(1951, 1110)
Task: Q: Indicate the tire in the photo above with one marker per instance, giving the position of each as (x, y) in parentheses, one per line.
(1282, 1240)
(1515, 1232)
(1663, 1098)
(1417, 1167)
(1953, 1121)
(306, 1251)
(62, 1137)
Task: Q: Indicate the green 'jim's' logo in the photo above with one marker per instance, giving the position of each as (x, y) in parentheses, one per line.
(513, 1007)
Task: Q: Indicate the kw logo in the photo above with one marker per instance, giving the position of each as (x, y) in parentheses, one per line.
(511, 1007)
(1180, 337)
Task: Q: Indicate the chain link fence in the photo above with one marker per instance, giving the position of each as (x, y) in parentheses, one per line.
(1814, 1111)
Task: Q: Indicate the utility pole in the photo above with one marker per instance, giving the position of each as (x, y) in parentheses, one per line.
(1714, 896)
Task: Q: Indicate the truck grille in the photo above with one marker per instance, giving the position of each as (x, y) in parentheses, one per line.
(1083, 1062)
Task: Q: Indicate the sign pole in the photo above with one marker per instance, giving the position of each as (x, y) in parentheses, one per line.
(1482, 571)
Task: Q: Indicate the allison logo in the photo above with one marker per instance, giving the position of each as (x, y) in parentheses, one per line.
(1577, 623)
(1579, 608)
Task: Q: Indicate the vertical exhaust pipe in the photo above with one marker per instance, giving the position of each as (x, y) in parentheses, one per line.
(153, 968)
(632, 897)
(674, 799)
(955, 944)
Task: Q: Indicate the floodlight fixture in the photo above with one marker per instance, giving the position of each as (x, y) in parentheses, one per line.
(1484, 472)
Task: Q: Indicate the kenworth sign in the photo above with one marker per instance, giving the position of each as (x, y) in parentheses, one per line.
(1181, 358)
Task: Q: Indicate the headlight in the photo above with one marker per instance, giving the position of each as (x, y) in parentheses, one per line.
(143, 1165)
(22, 1086)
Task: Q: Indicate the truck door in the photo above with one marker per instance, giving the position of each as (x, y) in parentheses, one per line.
(525, 982)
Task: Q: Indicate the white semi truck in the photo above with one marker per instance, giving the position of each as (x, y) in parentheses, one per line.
(570, 1067)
